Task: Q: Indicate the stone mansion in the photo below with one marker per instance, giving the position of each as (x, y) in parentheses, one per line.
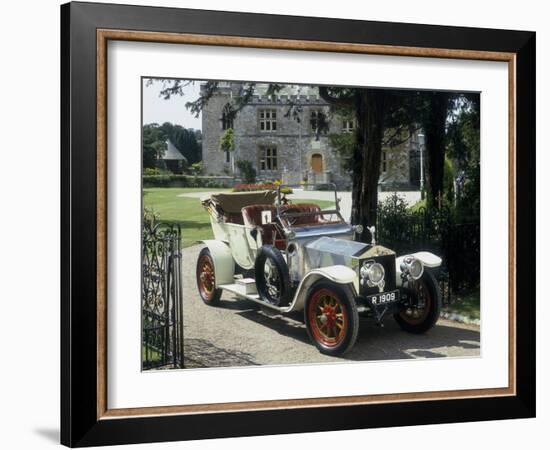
(284, 148)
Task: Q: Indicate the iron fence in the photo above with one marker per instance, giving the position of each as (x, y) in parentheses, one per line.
(458, 243)
(162, 312)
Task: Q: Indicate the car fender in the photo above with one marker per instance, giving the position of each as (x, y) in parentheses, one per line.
(224, 265)
(337, 274)
(428, 259)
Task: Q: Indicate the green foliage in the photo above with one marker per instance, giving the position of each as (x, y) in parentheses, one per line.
(197, 167)
(393, 206)
(344, 144)
(151, 171)
(227, 140)
(464, 148)
(448, 182)
(247, 170)
(187, 141)
(174, 180)
(154, 145)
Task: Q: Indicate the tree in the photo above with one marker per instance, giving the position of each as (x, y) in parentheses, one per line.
(227, 141)
(155, 137)
(154, 144)
(463, 146)
(433, 116)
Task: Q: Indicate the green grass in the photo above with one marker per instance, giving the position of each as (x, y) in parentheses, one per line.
(188, 212)
(467, 304)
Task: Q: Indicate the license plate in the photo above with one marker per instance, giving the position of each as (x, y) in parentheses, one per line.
(384, 298)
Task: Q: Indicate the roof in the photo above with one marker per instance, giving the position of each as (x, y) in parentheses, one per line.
(172, 153)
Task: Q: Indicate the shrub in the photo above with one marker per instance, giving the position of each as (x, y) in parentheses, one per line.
(227, 141)
(247, 170)
(197, 167)
(151, 171)
(173, 180)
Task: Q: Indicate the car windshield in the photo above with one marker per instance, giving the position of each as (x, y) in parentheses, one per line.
(308, 206)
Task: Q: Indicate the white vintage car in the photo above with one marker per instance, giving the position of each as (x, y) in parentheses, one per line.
(297, 257)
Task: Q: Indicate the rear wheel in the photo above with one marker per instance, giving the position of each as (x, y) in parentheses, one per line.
(272, 277)
(206, 278)
(331, 318)
(422, 310)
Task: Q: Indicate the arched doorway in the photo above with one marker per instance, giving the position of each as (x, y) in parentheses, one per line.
(317, 163)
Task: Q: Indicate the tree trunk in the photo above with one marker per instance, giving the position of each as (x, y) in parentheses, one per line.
(370, 109)
(434, 129)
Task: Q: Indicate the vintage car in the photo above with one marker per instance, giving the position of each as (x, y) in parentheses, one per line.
(298, 257)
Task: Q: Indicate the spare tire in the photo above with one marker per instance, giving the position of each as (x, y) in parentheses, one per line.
(272, 277)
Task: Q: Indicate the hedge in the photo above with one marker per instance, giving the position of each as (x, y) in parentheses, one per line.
(175, 180)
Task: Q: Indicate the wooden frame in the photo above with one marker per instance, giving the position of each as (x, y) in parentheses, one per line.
(86, 418)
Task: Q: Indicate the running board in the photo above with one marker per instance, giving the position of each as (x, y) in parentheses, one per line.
(240, 290)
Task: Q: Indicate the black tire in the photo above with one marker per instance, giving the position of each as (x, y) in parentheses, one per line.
(318, 315)
(206, 279)
(425, 288)
(272, 277)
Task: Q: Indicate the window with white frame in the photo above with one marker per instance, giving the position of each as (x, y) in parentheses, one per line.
(268, 120)
(268, 158)
(348, 126)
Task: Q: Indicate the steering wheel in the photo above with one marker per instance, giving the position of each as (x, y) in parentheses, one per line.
(291, 220)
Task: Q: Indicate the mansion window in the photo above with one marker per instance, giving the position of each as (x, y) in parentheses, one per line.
(384, 161)
(348, 126)
(317, 120)
(227, 117)
(268, 120)
(268, 159)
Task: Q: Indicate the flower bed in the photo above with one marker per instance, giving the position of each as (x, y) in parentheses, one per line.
(261, 187)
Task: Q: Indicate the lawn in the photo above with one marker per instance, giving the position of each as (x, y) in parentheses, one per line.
(188, 212)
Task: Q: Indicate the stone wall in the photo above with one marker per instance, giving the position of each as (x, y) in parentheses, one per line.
(295, 141)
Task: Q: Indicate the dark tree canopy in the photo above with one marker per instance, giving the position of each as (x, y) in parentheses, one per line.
(185, 140)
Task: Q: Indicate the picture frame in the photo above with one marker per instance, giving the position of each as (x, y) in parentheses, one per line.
(86, 418)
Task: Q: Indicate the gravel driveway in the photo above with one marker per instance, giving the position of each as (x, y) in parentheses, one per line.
(239, 333)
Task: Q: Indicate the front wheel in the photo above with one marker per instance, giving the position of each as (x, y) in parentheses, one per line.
(423, 305)
(331, 318)
(206, 279)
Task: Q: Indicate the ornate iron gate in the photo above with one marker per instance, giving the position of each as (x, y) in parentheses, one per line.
(162, 312)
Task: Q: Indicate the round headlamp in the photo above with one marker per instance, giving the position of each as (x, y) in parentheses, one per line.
(413, 267)
(373, 272)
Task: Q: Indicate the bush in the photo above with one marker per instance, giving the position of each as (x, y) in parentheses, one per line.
(172, 180)
(441, 231)
(196, 167)
(247, 170)
(151, 171)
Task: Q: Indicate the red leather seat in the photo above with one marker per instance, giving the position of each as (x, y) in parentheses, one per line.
(309, 219)
(252, 216)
